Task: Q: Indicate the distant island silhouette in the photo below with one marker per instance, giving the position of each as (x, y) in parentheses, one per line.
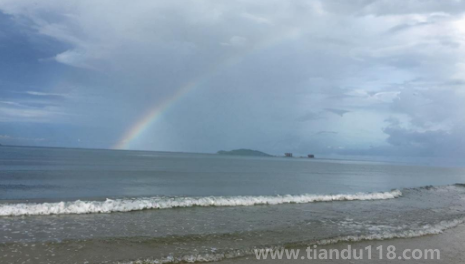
(244, 152)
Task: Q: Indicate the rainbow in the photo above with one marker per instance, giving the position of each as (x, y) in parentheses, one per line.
(154, 113)
(151, 116)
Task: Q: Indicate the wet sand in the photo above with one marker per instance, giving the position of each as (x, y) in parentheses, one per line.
(451, 244)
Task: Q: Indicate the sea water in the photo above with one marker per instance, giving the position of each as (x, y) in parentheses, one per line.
(106, 206)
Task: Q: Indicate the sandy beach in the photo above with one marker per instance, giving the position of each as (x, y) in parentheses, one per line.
(450, 243)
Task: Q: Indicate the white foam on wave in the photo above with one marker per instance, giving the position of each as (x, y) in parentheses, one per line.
(423, 231)
(137, 204)
(214, 257)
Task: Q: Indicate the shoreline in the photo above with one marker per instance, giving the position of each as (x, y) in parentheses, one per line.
(450, 244)
(133, 251)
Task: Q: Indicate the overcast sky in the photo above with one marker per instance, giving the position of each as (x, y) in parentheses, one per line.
(356, 77)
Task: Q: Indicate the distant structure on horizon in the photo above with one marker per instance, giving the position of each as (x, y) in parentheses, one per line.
(289, 155)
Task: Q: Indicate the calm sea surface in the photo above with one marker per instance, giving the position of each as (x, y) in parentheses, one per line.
(67, 174)
(104, 206)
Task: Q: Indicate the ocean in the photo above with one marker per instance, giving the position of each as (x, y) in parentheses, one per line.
(62, 205)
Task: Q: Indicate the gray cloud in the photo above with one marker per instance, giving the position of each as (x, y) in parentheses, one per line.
(264, 74)
(338, 112)
(326, 133)
(311, 116)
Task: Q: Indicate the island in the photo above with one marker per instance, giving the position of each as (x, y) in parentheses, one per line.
(244, 152)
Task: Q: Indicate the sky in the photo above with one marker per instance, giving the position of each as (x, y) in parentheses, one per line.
(333, 77)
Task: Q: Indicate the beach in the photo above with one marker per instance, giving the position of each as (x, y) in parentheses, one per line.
(450, 243)
(103, 206)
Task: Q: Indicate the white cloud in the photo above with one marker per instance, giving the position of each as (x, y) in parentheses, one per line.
(73, 58)
(12, 139)
(30, 115)
(36, 93)
(236, 41)
(386, 96)
(12, 103)
(258, 19)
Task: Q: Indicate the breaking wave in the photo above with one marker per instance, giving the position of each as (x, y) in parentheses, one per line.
(137, 204)
(213, 257)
